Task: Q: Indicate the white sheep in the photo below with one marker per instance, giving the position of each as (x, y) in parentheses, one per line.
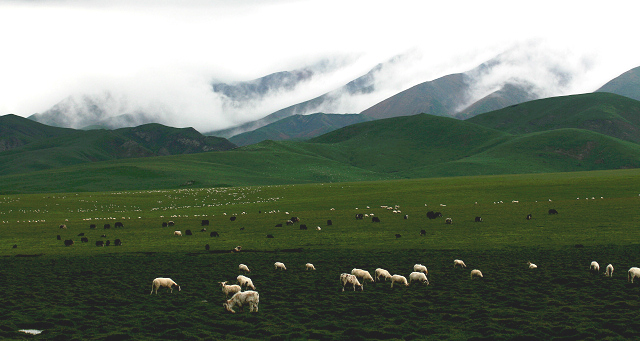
(595, 267)
(457, 262)
(633, 273)
(346, 278)
(309, 266)
(531, 265)
(399, 279)
(240, 299)
(609, 271)
(245, 281)
(476, 273)
(421, 268)
(177, 233)
(363, 274)
(280, 266)
(229, 289)
(418, 276)
(382, 273)
(163, 282)
(244, 268)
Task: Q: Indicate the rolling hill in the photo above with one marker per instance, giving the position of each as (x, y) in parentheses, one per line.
(30, 146)
(627, 84)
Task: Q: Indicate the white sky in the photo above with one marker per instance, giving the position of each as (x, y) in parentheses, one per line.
(168, 52)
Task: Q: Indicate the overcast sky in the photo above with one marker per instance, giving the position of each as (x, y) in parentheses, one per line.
(169, 52)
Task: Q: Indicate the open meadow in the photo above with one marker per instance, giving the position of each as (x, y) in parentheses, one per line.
(84, 292)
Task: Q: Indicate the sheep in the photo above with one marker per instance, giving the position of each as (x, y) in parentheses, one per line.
(609, 271)
(399, 279)
(163, 282)
(633, 273)
(476, 273)
(363, 274)
(244, 268)
(245, 281)
(529, 216)
(318, 228)
(382, 273)
(595, 267)
(64, 227)
(448, 221)
(237, 248)
(229, 289)
(418, 276)
(279, 265)
(531, 265)
(240, 299)
(346, 278)
(457, 262)
(309, 266)
(420, 268)
(177, 233)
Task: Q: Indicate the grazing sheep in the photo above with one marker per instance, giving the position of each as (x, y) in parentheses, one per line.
(237, 248)
(359, 216)
(163, 282)
(609, 271)
(318, 228)
(476, 273)
(177, 233)
(289, 222)
(245, 281)
(529, 216)
(399, 279)
(171, 223)
(382, 273)
(229, 289)
(421, 268)
(309, 266)
(531, 265)
(418, 276)
(279, 265)
(244, 268)
(595, 267)
(346, 278)
(406, 216)
(633, 273)
(363, 274)
(240, 299)
(448, 221)
(457, 262)
(64, 227)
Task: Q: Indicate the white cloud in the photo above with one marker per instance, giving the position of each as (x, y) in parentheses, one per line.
(163, 55)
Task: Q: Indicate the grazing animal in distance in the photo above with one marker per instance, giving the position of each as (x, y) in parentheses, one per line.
(418, 276)
(398, 235)
(68, 242)
(448, 221)
(229, 289)
(633, 272)
(244, 268)
(177, 233)
(531, 265)
(553, 211)
(382, 273)
(609, 271)
(594, 266)
(478, 219)
(399, 279)
(420, 268)
(279, 265)
(214, 234)
(529, 216)
(245, 281)
(375, 220)
(476, 273)
(346, 278)
(269, 236)
(309, 266)
(457, 262)
(423, 232)
(163, 282)
(240, 299)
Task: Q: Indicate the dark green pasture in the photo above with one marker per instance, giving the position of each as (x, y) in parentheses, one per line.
(86, 292)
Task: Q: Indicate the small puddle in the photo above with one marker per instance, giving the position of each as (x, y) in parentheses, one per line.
(31, 331)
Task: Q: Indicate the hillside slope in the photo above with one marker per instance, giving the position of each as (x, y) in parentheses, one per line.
(609, 114)
(627, 84)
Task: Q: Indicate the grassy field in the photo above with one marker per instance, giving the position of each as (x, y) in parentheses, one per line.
(87, 292)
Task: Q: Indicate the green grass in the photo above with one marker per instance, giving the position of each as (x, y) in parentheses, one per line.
(84, 292)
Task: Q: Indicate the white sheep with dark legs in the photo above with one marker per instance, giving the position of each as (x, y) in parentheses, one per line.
(229, 289)
(362, 274)
(418, 276)
(346, 278)
(245, 281)
(420, 268)
(457, 262)
(633, 273)
(609, 271)
(163, 282)
(399, 279)
(241, 299)
(382, 273)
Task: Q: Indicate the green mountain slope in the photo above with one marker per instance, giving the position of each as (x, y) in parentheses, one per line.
(297, 127)
(605, 113)
(627, 84)
(35, 146)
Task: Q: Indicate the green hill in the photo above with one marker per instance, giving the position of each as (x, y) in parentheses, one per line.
(605, 113)
(297, 127)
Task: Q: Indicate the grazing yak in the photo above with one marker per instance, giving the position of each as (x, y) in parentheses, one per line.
(204, 223)
(375, 220)
(553, 211)
(119, 224)
(433, 215)
(232, 218)
(423, 233)
(117, 242)
(84, 239)
(99, 243)
(478, 219)
(329, 223)
(68, 242)
(359, 216)
(214, 234)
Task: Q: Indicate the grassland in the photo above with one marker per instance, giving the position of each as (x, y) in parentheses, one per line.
(87, 292)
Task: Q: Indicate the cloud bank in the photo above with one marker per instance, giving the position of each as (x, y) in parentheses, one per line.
(162, 57)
